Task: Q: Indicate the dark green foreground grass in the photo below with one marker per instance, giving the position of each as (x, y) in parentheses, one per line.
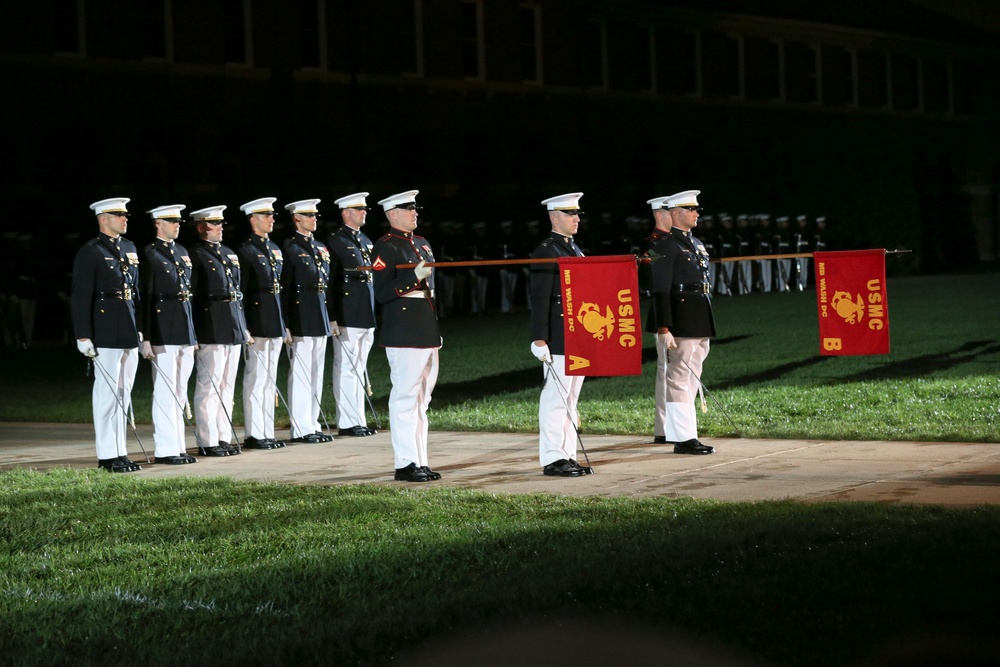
(101, 569)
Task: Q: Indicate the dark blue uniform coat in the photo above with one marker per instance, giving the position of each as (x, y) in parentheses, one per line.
(105, 291)
(218, 302)
(351, 297)
(546, 292)
(261, 265)
(406, 321)
(166, 294)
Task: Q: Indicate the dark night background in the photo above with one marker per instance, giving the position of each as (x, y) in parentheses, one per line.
(881, 116)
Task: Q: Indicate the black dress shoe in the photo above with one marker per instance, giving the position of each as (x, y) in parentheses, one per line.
(174, 460)
(587, 470)
(411, 473)
(213, 451)
(692, 446)
(278, 444)
(188, 458)
(254, 443)
(563, 468)
(323, 437)
(659, 439)
(431, 474)
(115, 465)
(356, 431)
(231, 448)
(130, 464)
(311, 439)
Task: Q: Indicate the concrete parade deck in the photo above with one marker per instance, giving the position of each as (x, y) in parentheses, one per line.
(806, 470)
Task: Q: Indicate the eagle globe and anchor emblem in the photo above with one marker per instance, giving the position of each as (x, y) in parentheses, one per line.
(851, 311)
(601, 326)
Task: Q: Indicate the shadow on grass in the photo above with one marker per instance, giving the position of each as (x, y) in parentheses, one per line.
(451, 393)
(927, 363)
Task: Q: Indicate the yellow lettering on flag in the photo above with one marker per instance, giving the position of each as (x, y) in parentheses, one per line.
(832, 344)
(578, 362)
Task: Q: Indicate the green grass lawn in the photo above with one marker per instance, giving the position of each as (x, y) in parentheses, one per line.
(112, 569)
(941, 381)
(108, 569)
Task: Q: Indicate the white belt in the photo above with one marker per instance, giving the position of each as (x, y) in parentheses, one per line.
(419, 294)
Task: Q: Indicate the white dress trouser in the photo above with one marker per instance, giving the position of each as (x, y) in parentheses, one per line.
(413, 372)
(171, 367)
(556, 424)
(350, 359)
(260, 392)
(680, 421)
(213, 410)
(305, 383)
(114, 373)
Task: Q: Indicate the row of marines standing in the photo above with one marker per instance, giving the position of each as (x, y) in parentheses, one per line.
(215, 300)
(174, 307)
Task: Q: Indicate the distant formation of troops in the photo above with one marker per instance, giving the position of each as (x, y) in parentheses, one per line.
(201, 311)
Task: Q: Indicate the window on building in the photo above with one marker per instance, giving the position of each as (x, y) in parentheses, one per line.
(157, 30)
(628, 57)
(68, 35)
(529, 39)
(937, 85)
(236, 32)
(471, 26)
(312, 33)
(837, 76)
(905, 88)
(873, 80)
(677, 66)
(801, 80)
(720, 63)
(411, 39)
(762, 69)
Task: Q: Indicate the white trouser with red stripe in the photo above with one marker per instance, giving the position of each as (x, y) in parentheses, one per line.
(350, 359)
(112, 398)
(260, 393)
(172, 366)
(413, 372)
(214, 386)
(305, 383)
(558, 418)
(677, 387)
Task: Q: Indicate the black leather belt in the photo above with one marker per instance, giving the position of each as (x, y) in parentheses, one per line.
(365, 277)
(274, 289)
(174, 296)
(696, 288)
(124, 294)
(311, 288)
(232, 296)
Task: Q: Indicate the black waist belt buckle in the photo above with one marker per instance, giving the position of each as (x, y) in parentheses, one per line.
(231, 296)
(124, 294)
(701, 288)
(180, 296)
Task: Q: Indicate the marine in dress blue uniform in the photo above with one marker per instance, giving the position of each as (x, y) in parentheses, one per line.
(221, 329)
(409, 333)
(351, 304)
(169, 332)
(261, 262)
(304, 281)
(681, 318)
(106, 324)
(558, 417)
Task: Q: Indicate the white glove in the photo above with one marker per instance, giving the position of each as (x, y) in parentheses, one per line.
(667, 340)
(421, 271)
(288, 336)
(146, 350)
(541, 352)
(86, 347)
(249, 338)
(334, 329)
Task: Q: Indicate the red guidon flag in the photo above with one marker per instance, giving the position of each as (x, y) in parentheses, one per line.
(851, 298)
(601, 315)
